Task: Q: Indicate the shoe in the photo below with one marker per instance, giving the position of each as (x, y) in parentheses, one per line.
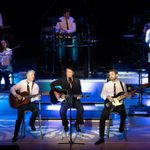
(66, 128)
(77, 127)
(32, 126)
(121, 129)
(100, 141)
(14, 139)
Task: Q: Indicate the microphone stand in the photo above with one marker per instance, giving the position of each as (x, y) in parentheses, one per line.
(70, 134)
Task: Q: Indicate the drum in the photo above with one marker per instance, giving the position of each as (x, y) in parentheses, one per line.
(67, 45)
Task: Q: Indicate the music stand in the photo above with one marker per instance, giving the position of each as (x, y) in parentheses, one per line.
(70, 137)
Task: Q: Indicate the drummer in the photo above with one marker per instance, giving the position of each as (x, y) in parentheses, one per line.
(66, 24)
(65, 34)
(5, 63)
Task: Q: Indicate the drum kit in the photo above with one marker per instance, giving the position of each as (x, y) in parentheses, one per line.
(82, 36)
(55, 41)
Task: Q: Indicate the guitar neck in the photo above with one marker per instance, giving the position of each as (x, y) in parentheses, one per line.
(31, 96)
(76, 95)
(126, 95)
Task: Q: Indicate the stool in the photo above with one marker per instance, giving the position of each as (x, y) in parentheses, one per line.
(109, 123)
(23, 125)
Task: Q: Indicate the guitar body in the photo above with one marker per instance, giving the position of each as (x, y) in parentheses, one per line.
(15, 103)
(116, 102)
(53, 98)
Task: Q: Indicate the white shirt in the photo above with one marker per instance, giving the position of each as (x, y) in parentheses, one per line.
(147, 37)
(6, 60)
(108, 89)
(61, 25)
(22, 87)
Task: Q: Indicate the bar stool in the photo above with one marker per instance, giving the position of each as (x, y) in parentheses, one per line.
(109, 123)
(23, 125)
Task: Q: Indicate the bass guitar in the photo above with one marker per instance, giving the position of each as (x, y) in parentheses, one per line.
(118, 99)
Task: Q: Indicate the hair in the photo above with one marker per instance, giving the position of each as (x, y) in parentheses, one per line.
(1, 48)
(66, 10)
(113, 70)
(71, 68)
(29, 71)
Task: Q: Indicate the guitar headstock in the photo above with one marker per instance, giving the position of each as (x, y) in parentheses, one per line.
(145, 85)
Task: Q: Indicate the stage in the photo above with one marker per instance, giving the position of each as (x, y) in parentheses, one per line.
(52, 132)
(138, 136)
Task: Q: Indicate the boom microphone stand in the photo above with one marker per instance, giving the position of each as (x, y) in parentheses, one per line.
(69, 98)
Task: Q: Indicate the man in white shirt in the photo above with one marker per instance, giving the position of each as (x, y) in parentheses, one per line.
(30, 86)
(66, 24)
(146, 32)
(65, 33)
(5, 63)
(110, 90)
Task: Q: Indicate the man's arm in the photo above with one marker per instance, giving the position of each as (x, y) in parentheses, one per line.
(15, 88)
(57, 28)
(54, 84)
(104, 94)
(125, 87)
(36, 90)
(73, 27)
(147, 37)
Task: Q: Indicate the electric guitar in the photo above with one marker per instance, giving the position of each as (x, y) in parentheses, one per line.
(55, 100)
(118, 99)
(14, 102)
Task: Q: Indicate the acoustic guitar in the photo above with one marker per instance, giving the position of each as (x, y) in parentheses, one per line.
(14, 102)
(55, 100)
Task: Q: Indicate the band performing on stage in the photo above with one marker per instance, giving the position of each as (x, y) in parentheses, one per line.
(91, 74)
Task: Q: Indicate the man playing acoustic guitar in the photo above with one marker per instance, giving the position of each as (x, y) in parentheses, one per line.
(111, 90)
(70, 86)
(31, 88)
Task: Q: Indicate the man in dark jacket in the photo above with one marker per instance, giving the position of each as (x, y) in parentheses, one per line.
(72, 87)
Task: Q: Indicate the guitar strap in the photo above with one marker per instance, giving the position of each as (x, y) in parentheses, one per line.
(122, 86)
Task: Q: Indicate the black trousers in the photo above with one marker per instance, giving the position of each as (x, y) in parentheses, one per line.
(71, 104)
(105, 115)
(30, 106)
(5, 74)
